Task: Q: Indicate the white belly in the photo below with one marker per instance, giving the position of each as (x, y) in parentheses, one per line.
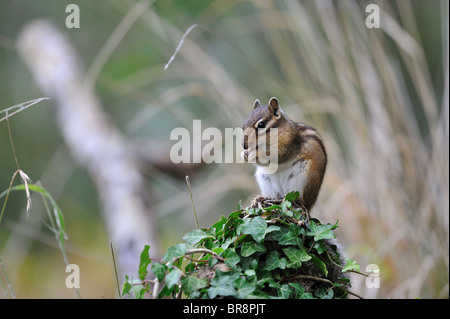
(288, 178)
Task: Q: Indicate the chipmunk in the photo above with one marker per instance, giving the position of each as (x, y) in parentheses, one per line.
(302, 157)
(301, 163)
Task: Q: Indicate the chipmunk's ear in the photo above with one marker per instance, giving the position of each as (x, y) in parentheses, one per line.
(273, 106)
(256, 104)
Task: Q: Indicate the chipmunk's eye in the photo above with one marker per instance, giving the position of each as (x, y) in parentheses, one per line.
(262, 124)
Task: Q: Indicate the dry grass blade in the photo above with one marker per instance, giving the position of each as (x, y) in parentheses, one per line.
(188, 183)
(13, 110)
(6, 193)
(192, 27)
(26, 180)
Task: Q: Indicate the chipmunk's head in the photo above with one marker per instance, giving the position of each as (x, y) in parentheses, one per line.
(258, 130)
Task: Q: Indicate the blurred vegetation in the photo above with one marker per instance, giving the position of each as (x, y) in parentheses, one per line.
(379, 97)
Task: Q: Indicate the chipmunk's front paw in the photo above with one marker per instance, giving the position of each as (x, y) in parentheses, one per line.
(257, 201)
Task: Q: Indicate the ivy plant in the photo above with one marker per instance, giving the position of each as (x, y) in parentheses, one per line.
(274, 252)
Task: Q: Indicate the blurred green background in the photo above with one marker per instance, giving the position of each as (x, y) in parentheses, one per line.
(378, 96)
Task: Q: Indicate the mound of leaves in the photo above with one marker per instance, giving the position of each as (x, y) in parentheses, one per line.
(274, 252)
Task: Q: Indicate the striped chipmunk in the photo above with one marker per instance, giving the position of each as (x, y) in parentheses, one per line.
(301, 162)
(297, 148)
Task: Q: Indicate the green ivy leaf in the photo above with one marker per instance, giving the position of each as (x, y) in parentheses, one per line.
(296, 257)
(320, 247)
(192, 283)
(159, 270)
(195, 236)
(342, 282)
(234, 215)
(172, 277)
(232, 224)
(323, 293)
(279, 234)
(265, 278)
(292, 196)
(320, 231)
(256, 228)
(126, 286)
(272, 228)
(254, 263)
(274, 284)
(228, 242)
(218, 250)
(231, 258)
(300, 291)
(164, 292)
(285, 292)
(292, 237)
(320, 264)
(286, 209)
(240, 239)
(175, 251)
(138, 289)
(144, 262)
(244, 287)
(273, 261)
(249, 248)
(250, 272)
(221, 291)
(218, 225)
(222, 286)
(350, 265)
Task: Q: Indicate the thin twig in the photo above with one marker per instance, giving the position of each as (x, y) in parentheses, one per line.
(192, 201)
(204, 250)
(11, 141)
(143, 282)
(7, 195)
(352, 293)
(310, 278)
(340, 266)
(192, 27)
(195, 260)
(115, 268)
(195, 251)
(21, 107)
